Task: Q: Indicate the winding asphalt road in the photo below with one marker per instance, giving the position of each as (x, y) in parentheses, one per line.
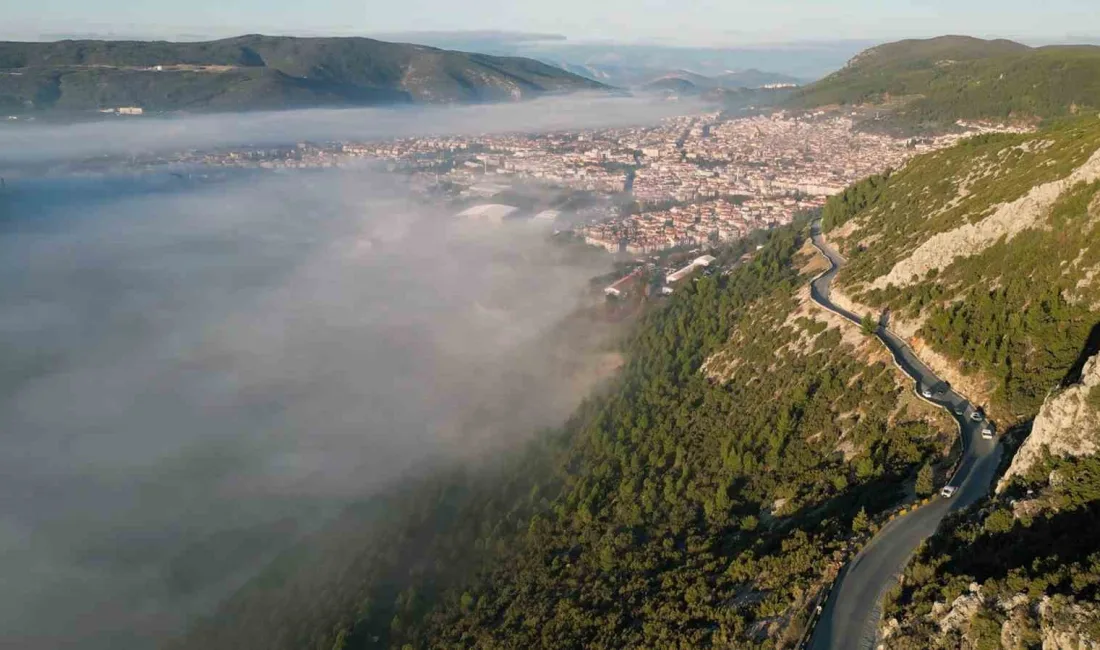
(851, 615)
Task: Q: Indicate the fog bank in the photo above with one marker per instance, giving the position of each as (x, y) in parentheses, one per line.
(194, 375)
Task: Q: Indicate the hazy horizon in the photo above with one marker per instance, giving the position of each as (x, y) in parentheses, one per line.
(549, 39)
(697, 23)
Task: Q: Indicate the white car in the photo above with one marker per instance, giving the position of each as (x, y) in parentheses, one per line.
(948, 491)
(926, 393)
(987, 432)
(976, 416)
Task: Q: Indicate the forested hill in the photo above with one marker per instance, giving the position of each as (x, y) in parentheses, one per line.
(704, 501)
(934, 82)
(253, 72)
(987, 256)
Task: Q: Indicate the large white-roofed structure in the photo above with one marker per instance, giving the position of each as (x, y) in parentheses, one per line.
(491, 212)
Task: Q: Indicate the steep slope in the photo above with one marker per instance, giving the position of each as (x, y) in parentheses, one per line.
(986, 255)
(937, 81)
(261, 72)
(1023, 571)
(1068, 425)
(704, 501)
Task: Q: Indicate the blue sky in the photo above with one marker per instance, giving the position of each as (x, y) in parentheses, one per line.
(703, 22)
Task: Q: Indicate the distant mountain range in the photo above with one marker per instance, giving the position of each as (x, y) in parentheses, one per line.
(262, 72)
(684, 82)
(936, 81)
(630, 64)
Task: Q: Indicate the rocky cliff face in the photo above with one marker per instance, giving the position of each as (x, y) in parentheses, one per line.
(1067, 425)
(987, 257)
(1020, 622)
(969, 239)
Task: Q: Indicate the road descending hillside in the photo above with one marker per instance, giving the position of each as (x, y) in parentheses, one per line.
(851, 614)
(986, 257)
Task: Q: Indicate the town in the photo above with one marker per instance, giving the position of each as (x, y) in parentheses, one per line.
(693, 181)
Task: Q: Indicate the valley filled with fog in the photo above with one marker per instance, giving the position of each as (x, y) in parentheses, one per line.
(197, 373)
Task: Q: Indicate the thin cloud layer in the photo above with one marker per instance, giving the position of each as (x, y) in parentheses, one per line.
(39, 143)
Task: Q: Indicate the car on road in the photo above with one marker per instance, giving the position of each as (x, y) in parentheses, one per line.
(926, 393)
(977, 416)
(960, 409)
(987, 431)
(948, 491)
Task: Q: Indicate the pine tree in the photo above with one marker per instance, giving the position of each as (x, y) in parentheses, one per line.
(860, 522)
(925, 485)
(868, 324)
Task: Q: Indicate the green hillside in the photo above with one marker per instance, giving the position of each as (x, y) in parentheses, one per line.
(702, 503)
(989, 255)
(937, 81)
(250, 72)
(1006, 274)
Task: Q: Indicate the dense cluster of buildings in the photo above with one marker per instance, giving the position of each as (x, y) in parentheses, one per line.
(695, 224)
(693, 180)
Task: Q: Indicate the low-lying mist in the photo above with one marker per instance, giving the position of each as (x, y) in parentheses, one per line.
(191, 370)
(25, 143)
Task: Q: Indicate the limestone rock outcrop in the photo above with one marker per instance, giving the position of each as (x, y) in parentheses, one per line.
(1067, 425)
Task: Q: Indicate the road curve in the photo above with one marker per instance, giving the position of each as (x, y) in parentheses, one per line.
(851, 615)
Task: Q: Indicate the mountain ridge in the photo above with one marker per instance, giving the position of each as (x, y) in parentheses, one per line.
(262, 72)
(932, 83)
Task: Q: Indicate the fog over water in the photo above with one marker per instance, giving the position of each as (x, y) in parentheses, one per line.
(193, 374)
